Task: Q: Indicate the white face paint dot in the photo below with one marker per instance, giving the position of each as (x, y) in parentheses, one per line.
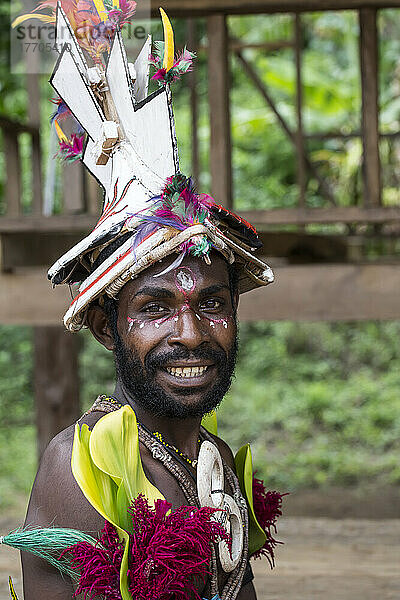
(199, 318)
(225, 324)
(185, 280)
(156, 325)
(212, 324)
(141, 325)
(176, 318)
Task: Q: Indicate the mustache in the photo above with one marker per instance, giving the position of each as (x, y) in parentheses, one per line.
(152, 362)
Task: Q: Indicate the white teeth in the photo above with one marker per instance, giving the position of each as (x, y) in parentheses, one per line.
(186, 371)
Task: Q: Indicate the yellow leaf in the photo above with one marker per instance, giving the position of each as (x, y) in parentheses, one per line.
(169, 49)
(244, 471)
(98, 488)
(209, 422)
(114, 447)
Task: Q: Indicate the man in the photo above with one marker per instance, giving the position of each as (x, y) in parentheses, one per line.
(171, 376)
(158, 284)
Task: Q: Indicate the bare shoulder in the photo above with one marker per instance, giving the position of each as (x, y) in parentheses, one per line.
(56, 498)
(225, 451)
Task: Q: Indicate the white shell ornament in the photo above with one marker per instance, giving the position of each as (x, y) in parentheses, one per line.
(210, 490)
(210, 476)
(233, 526)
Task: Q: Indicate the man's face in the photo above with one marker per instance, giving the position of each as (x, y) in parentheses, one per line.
(177, 337)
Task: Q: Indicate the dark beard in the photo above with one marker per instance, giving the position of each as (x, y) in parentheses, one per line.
(138, 382)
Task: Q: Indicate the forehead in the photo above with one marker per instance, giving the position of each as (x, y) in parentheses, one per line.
(192, 273)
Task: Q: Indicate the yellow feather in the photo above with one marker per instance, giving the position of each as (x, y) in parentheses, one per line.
(116, 3)
(22, 18)
(169, 49)
(60, 133)
(101, 9)
(13, 594)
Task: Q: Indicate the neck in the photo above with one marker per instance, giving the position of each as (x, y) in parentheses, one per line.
(181, 433)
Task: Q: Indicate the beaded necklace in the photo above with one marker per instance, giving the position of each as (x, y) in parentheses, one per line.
(192, 462)
(104, 402)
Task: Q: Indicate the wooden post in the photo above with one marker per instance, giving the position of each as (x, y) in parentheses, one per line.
(192, 44)
(92, 194)
(33, 88)
(73, 188)
(56, 382)
(13, 173)
(300, 154)
(370, 106)
(220, 124)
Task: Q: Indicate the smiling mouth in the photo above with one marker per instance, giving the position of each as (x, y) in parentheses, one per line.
(187, 372)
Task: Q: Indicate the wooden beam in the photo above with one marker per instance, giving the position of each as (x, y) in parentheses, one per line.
(370, 106)
(326, 293)
(33, 249)
(56, 381)
(16, 126)
(220, 123)
(27, 298)
(303, 248)
(54, 223)
(202, 8)
(292, 216)
(285, 216)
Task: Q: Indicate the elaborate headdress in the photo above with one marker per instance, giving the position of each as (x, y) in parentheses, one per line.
(149, 206)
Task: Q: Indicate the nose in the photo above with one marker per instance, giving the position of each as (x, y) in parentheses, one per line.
(189, 330)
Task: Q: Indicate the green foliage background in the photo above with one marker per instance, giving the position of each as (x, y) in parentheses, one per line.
(319, 403)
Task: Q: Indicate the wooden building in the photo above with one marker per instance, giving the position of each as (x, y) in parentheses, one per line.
(329, 278)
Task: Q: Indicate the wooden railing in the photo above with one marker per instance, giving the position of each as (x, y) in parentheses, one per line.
(80, 191)
(81, 197)
(12, 130)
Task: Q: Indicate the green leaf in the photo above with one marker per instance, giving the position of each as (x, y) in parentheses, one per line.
(209, 422)
(244, 471)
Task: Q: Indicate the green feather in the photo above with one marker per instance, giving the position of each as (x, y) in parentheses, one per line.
(159, 49)
(49, 543)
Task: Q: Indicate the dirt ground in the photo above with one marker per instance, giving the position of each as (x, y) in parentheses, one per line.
(322, 558)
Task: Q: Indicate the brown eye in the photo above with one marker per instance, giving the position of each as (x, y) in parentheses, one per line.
(154, 309)
(211, 304)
